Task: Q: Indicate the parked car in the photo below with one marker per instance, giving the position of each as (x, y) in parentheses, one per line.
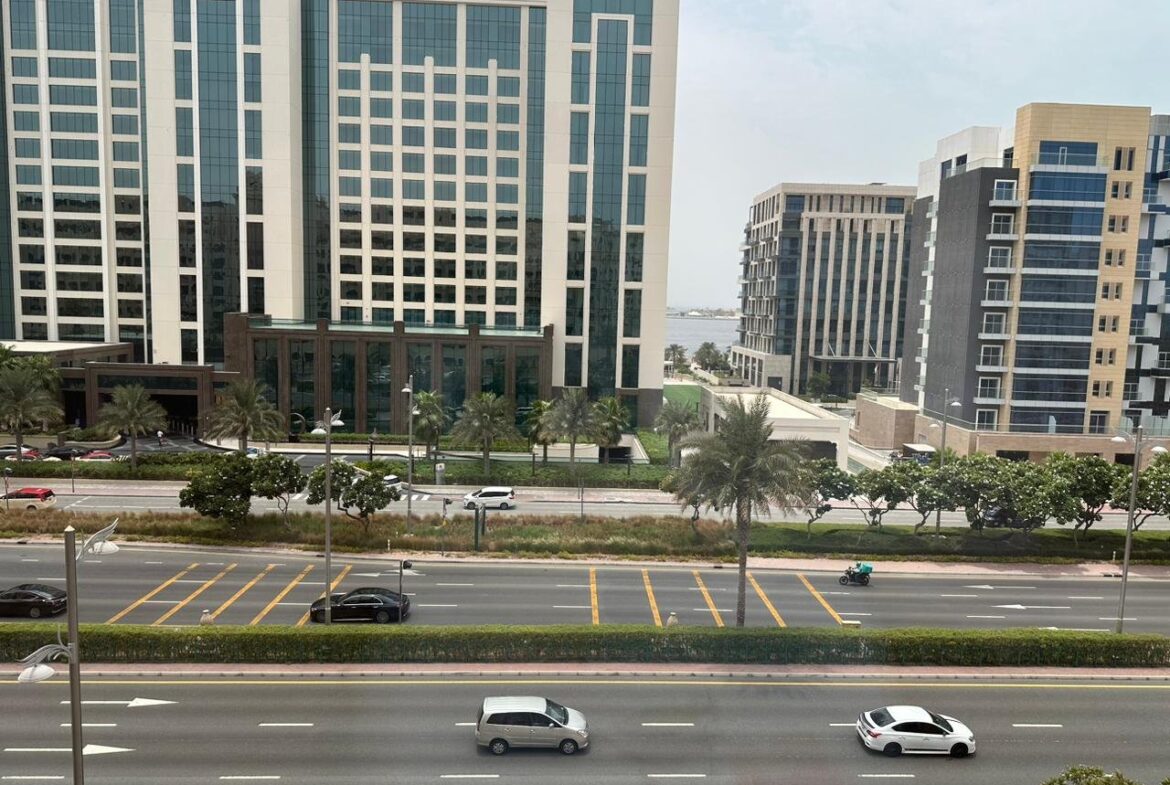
(31, 499)
(9, 452)
(98, 455)
(64, 453)
(255, 452)
(369, 603)
(33, 600)
(394, 482)
(915, 730)
(504, 723)
(492, 496)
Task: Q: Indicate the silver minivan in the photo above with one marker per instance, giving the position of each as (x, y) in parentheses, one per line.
(504, 723)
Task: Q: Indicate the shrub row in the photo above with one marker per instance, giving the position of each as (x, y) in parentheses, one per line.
(445, 442)
(773, 646)
(558, 475)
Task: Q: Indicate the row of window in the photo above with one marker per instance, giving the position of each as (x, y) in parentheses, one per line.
(413, 267)
(440, 242)
(80, 255)
(418, 293)
(440, 316)
(34, 280)
(630, 358)
(75, 68)
(416, 215)
(75, 123)
(67, 202)
(439, 190)
(415, 163)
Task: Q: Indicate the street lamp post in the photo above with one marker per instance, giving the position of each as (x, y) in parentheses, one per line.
(38, 670)
(326, 427)
(1133, 486)
(942, 451)
(403, 564)
(409, 390)
(7, 501)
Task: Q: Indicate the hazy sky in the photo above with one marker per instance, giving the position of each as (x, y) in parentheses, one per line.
(860, 90)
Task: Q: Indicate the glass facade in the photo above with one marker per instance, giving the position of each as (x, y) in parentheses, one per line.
(7, 291)
(534, 171)
(454, 376)
(379, 390)
(493, 369)
(301, 379)
(315, 132)
(342, 382)
(266, 365)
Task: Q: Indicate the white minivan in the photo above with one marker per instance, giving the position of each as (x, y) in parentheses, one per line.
(493, 496)
(504, 723)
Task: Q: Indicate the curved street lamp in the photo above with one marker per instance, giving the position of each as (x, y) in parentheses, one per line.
(1133, 485)
(409, 391)
(38, 668)
(325, 428)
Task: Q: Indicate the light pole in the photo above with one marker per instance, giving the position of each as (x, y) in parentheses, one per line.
(1133, 486)
(38, 670)
(325, 427)
(942, 451)
(403, 564)
(409, 390)
(7, 501)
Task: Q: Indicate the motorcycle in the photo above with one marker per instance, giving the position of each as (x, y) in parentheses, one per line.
(858, 575)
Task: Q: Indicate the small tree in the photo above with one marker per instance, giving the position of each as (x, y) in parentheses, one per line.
(536, 424)
(1153, 491)
(485, 418)
(877, 492)
(1091, 775)
(676, 354)
(221, 490)
(708, 357)
(919, 488)
(572, 418)
(611, 419)
(24, 401)
(821, 483)
(358, 496)
(1082, 488)
(277, 477)
(133, 412)
(244, 412)
(675, 420)
(431, 421)
(817, 385)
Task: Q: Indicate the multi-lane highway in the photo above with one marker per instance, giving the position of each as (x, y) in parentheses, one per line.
(144, 584)
(736, 730)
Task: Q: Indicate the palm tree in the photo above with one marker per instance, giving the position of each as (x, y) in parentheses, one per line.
(24, 400)
(133, 412)
(536, 423)
(741, 468)
(431, 420)
(244, 412)
(611, 419)
(675, 419)
(676, 354)
(485, 418)
(571, 418)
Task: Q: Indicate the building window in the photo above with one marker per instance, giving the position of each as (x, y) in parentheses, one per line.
(1123, 159)
(1098, 422)
(256, 295)
(574, 311)
(1005, 191)
(1118, 224)
(995, 323)
(632, 314)
(573, 364)
(631, 356)
(999, 257)
(992, 355)
(580, 83)
(989, 387)
(1003, 223)
(986, 419)
(997, 291)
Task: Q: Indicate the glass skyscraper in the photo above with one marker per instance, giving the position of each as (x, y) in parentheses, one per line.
(369, 162)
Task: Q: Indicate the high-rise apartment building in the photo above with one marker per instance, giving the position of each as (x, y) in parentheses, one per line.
(440, 164)
(1042, 284)
(823, 285)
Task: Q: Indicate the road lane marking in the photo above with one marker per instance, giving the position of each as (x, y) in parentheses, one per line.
(593, 596)
(337, 581)
(285, 725)
(207, 585)
(668, 724)
(454, 584)
(574, 607)
(676, 776)
(465, 724)
(30, 560)
(152, 562)
(27, 777)
(151, 594)
(721, 610)
(958, 595)
(842, 724)
(1086, 598)
(987, 617)
(854, 613)
(572, 585)
(819, 598)
(469, 776)
(887, 776)
(434, 605)
(91, 724)
(707, 598)
(249, 776)
(1114, 618)
(767, 603)
(240, 593)
(650, 598)
(1036, 725)
(283, 593)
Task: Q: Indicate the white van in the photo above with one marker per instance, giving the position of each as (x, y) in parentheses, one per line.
(504, 723)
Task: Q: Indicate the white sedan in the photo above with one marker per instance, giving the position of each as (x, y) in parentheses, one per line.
(894, 730)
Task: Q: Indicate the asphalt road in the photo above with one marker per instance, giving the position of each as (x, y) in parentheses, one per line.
(731, 731)
(172, 586)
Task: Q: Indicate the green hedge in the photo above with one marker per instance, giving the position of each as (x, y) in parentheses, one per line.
(409, 643)
(656, 445)
(445, 442)
(558, 475)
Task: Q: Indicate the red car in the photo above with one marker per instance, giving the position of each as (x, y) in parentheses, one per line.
(9, 453)
(98, 455)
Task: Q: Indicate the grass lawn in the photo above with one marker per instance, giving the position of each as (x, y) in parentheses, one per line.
(688, 394)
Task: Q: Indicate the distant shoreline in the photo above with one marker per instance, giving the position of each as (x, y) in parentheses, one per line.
(687, 316)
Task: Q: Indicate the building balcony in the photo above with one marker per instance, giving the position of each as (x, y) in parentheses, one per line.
(1000, 368)
(995, 336)
(1003, 236)
(999, 269)
(997, 301)
(988, 400)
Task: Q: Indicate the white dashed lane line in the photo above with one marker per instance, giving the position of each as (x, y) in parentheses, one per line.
(1035, 725)
(668, 724)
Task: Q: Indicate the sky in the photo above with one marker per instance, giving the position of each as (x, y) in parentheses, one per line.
(859, 91)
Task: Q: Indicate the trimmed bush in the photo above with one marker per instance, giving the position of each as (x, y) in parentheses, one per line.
(619, 643)
(445, 442)
(559, 475)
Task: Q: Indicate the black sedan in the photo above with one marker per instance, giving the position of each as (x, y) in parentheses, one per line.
(33, 600)
(366, 604)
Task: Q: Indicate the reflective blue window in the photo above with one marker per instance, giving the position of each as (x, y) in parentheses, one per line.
(28, 175)
(639, 138)
(184, 131)
(365, 26)
(123, 26)
(71, 25)
(476, 166)
(534, 171)
(253, 134)
(381, 81)
(630, 358)
(24, 66)
(444, 164)
(123, 97)
(634, 245)
(382, 134)
(252, 22)
(507, 140)
(182, 15)
(413, 109)
(382, 108)
(507, 167)
(73, 67)
(445, 111)
(446, 84)
(445, 191)
(75, 149)
(1070, 186)
(125, 124)
(640, 81)
(185, 174)
(381, 161)
(641, 10)
(508, 114)
(414, 163)
(349, 186)
(413, 82)
(508, 86)
(580, 84)
(183, 74)
(349, 159)
(429, 30)
(349, 79)
(125, 178)
(252, 77)
(636, 211)
(126, 151)
(445, 138)
(381, 187)
(24, 24)
(73, 122)
(29, 121)
(1054, 321)
(124, 71)
(349, 133)
(578, 183)
(414, 136)
(507, 193)
(476, 112)
(477, 85)
(1079, 256)
(493, 33)
(1050, 288)
(1068, 153)
(475, 192)
(349, 106)
(28, 94)
(76, 175)
(28, 148)
(475, 139)
(1065, 220)
(414, 189)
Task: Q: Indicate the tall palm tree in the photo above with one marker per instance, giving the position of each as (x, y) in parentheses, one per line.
(485, 418)
(133, 412)
(431, 420)
(611, 418)
(676, 354)
(675, 420)
(24, 400)
(572, 418)
(536, 424)
(741, 468)
(244, 412)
